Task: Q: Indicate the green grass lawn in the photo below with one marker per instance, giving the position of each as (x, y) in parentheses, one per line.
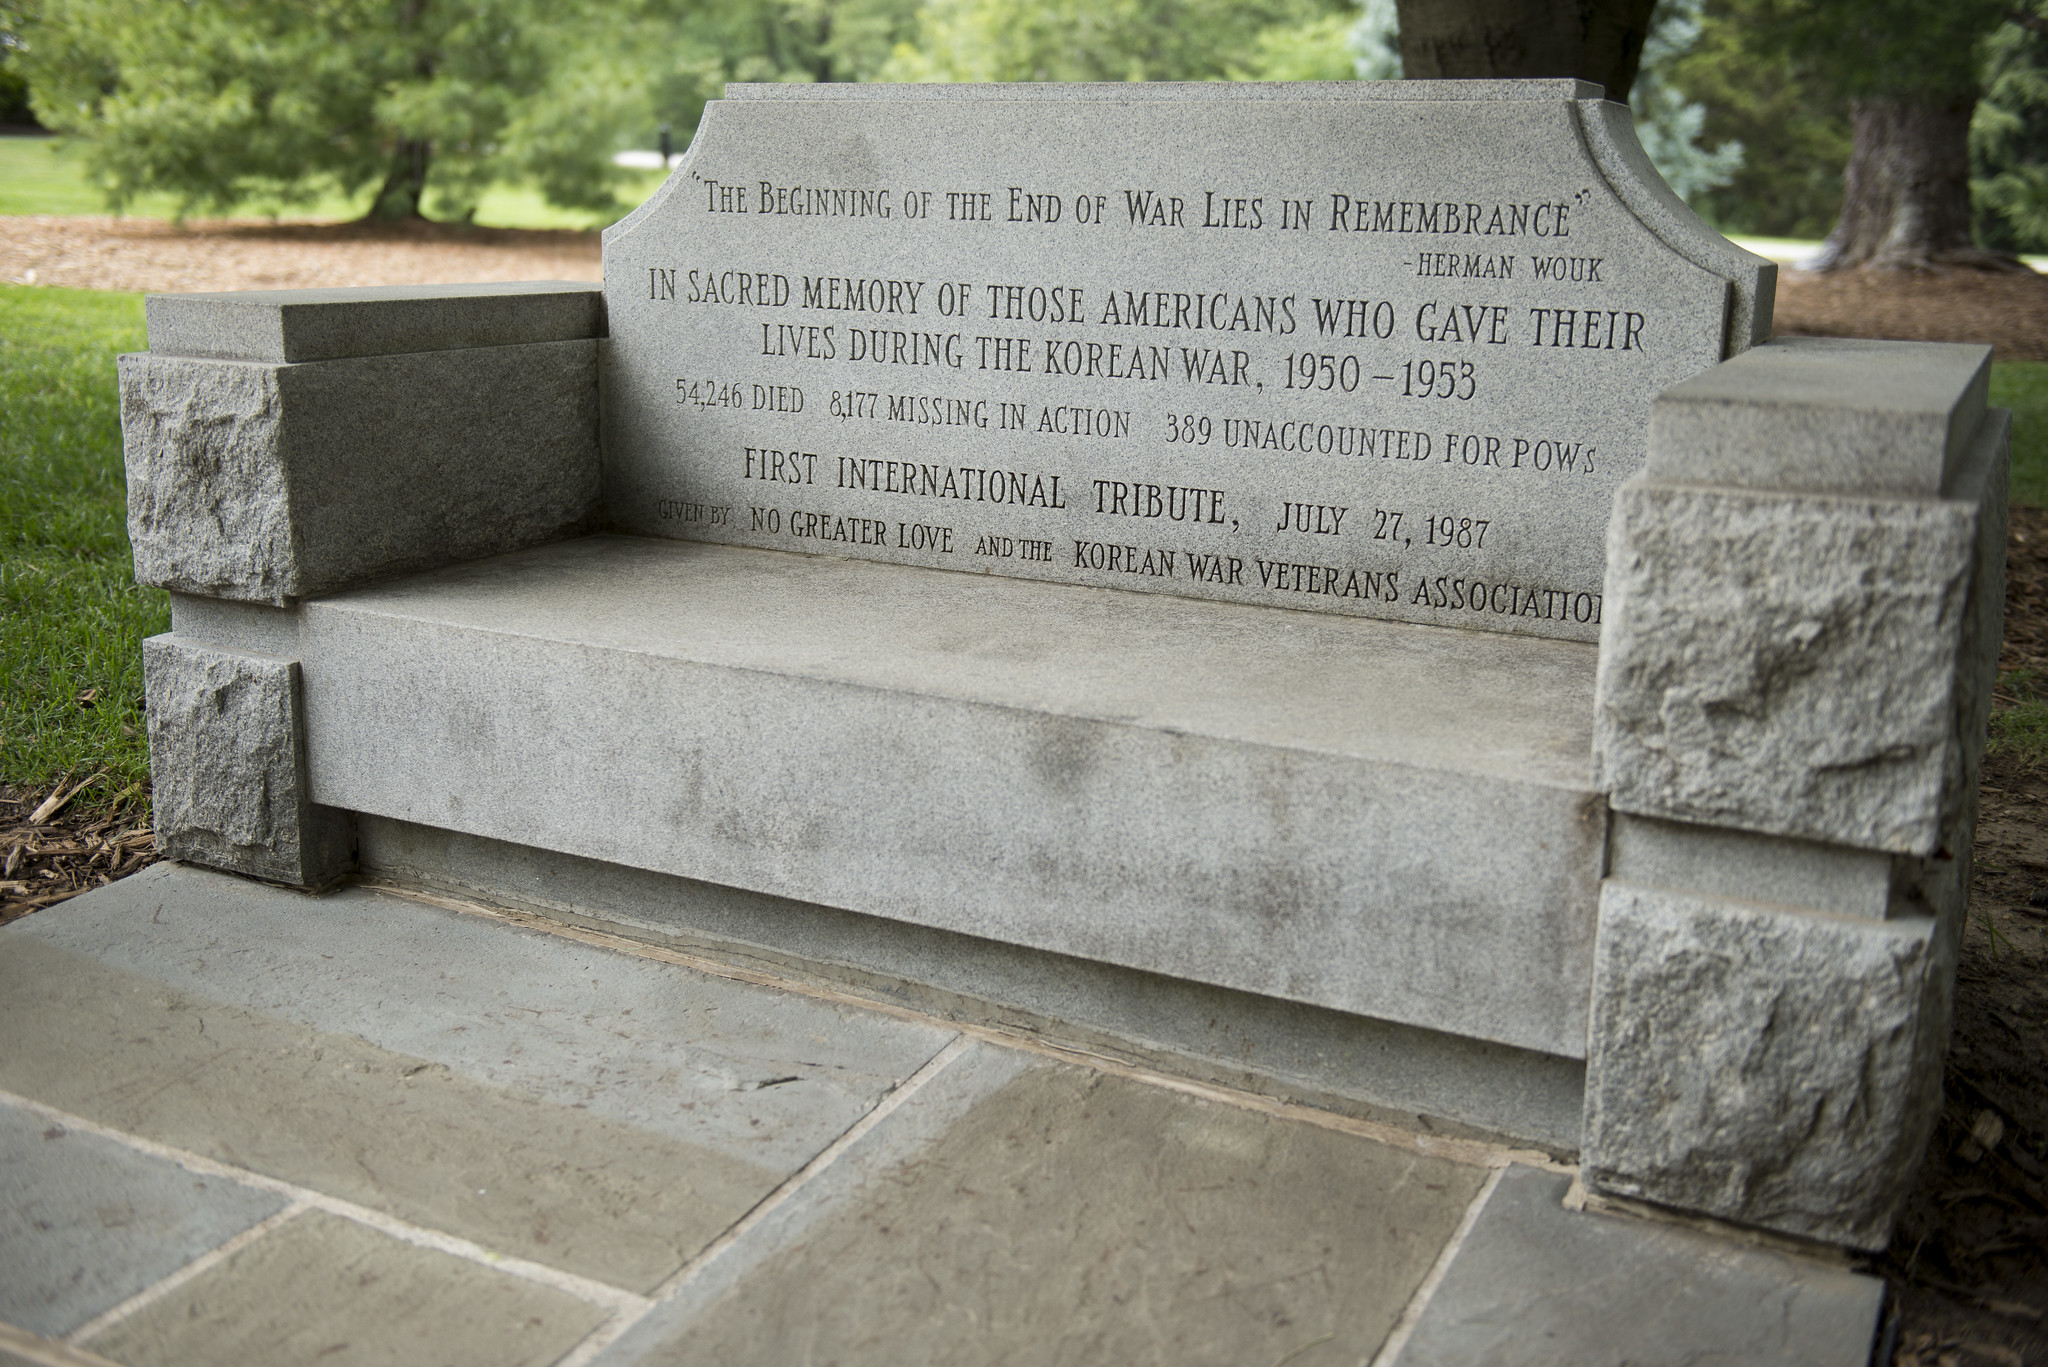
(72, 619)
(2019, 729)
(45, 176)
(2022, 386)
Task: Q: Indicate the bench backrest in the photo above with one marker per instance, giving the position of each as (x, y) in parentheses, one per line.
(1375, 348)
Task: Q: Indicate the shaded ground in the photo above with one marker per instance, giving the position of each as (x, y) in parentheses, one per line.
(2008, 311)
(1969, 1265)
(141, 254)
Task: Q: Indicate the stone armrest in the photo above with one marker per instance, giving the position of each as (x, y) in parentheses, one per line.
(1805, 591)
(286, 443)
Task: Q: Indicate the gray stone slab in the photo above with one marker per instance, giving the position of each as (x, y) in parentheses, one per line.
(1195, 341)
(268, 482)
(1251, 799)
(1353, 1065)
(1534, 1284)
(1064, 1216)
(888, 1152)
(1749, 867)
(228, 765)
(1773, 1068)
(1611, 135)
(749, 1072)
(326, 1290)
(615, 1202)
(1825, 415)
(256, 627)
(326, 324)
(85, 1223)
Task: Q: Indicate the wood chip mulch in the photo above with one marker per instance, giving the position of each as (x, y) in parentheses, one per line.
(69, 852)
(2009, 311)
(141, 254)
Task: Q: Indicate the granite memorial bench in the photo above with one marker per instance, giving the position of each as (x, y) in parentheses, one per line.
(1331, 585)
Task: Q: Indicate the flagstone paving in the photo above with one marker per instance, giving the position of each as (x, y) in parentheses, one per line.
(242, 1125)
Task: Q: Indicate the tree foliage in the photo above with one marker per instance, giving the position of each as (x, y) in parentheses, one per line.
(2009, 135)
(1669, 123)
(223, 102)
(13, 85)
(1909, 73)
(1743, 104)
(1126, 40)
(1785, 78)
(1793, 129)
(227, 101)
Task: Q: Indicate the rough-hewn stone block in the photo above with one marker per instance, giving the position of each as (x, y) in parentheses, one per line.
(1775, 1068)
(272, 482)
(228, 766)
(1785, 663)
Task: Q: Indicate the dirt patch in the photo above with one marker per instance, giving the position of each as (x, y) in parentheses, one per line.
(2026, 591)
(71, 851)
(2009, 311)
(1969, 1265)
(140, 254)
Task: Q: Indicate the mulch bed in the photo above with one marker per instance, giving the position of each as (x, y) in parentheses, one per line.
(141, 254)
(71, 851)
(2007, 310)
(1969, 1265)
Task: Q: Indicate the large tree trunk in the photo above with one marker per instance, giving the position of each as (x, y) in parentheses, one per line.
(399, 196)
(406, 183)
(1906, 194)
(1594, 40)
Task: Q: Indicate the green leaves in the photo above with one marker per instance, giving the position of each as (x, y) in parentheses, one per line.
(2009, 135)
(228, 102)
(1121, 40)
(225, 101)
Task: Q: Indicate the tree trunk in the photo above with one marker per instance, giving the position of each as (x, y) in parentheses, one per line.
(1906, 194)
(1594, 40)
(399, 197)
(406, 183)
